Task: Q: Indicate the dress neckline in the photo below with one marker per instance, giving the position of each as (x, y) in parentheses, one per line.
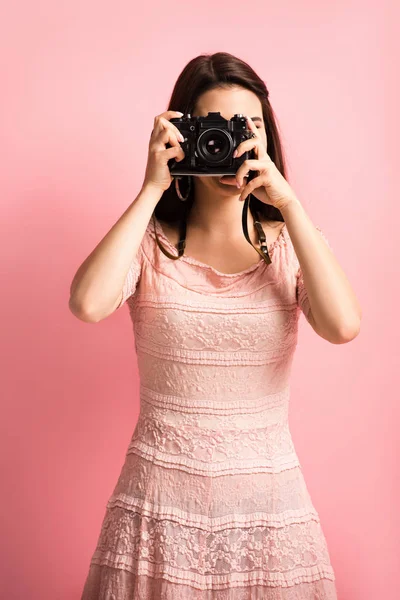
(194, 261)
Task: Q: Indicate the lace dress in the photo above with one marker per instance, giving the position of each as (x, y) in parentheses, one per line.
(211, 503)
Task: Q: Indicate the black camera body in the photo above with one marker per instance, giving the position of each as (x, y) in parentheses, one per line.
(209, 145)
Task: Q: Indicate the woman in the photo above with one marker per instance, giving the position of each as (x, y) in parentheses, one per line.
(211, 501)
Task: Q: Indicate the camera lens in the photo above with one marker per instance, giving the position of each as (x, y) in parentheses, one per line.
(214, 145)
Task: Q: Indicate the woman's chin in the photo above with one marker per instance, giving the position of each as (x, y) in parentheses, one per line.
(227, 182)
(227, 185)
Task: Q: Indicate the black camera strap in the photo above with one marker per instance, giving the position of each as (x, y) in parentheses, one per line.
(263, 250)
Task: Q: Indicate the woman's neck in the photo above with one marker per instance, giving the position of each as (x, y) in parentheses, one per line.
(218, 214)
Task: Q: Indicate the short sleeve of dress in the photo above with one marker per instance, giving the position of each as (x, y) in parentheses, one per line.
(132, 277)
(301, 292)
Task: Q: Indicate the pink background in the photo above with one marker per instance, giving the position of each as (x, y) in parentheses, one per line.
(81, 83)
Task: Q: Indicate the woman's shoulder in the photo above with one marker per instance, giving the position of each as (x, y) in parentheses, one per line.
(170, 229)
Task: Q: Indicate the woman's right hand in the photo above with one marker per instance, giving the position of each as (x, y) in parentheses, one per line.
(157, 171)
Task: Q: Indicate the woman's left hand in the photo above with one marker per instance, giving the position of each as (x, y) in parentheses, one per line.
(269, 186)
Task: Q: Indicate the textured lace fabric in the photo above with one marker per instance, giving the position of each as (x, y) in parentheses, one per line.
(211, 501)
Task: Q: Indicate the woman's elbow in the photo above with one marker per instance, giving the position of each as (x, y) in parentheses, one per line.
(81, 312)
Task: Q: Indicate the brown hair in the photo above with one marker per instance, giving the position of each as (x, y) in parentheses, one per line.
(201, 74)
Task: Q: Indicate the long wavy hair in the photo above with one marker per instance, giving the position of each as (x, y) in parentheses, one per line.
(203, 73)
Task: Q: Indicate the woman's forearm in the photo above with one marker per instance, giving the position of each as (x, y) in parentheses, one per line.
(335, 310)
(97, 284)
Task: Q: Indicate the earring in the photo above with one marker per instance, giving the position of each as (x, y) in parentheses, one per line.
(178, 191)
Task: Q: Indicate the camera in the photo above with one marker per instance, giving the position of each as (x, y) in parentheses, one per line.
(209, 144)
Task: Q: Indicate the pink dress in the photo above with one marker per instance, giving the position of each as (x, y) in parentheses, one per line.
(211, 503)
